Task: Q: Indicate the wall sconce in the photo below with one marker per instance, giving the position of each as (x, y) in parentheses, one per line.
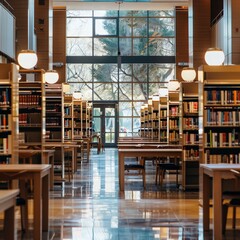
(51, 76)
(173, 85)
(27, 59)
(214, 57)
(188, 74)
(77, 95)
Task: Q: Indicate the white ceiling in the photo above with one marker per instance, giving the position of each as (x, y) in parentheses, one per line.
(153, 5)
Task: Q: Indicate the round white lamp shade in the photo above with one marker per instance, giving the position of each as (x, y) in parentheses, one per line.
(77, 95)
(214, 57)
(27, 59)
(173, 85)
(188, 74)
(51, 76)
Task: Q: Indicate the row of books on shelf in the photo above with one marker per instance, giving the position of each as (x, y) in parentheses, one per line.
(3, 121)
(190, 138)
(223, 117)
(174, 123)
(222, 139)
(30, 118)
(190, 123)
(29, 99)
(173, 136)
(4, 145)
(5, 96)
(173, 111)
(67, 111)
(191, 154)
(53, 121)
(190, 107)
(67, 123)
(163, 113)
(223, 96)
(221, 158)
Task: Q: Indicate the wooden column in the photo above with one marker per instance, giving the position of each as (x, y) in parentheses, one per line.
(59, 41)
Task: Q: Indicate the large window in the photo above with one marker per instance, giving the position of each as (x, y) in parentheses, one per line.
(122, 56)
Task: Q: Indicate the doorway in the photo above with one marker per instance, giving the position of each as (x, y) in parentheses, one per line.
(105, 123)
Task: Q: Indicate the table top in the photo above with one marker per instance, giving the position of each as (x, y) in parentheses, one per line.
(150, 150)
(5, 195)
(220, 166)
(26, 167)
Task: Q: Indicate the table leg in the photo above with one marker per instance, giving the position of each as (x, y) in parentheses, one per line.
(37, 207)
(217, 206)
(206, 186)
(45, 203)
(9, 223)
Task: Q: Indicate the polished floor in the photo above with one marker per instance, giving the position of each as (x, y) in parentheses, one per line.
(90, 207)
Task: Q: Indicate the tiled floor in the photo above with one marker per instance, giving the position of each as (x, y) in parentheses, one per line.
(92, 208)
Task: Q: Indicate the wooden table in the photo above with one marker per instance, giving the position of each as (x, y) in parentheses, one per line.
(47, 158)
(216, 172)
(7, 204)
(39, 173)
(136, 152)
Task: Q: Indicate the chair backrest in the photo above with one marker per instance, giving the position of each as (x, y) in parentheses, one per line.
(9, 177)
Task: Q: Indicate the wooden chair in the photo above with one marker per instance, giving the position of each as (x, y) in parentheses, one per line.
(138, 168)
(234, 202)
(21, 200)
(166, 165)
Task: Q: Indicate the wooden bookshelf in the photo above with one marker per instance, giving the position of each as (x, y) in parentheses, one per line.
(32, 108)
(189, 134)
(163, 120)
(9, 113)
(219, 113)
(173, 117)
(67, 109)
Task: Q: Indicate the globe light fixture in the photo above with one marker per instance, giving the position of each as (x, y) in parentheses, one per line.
(173, 85)
(27, 59)
(188, 74)
(51, 76)
(77, 95)
(214, 57)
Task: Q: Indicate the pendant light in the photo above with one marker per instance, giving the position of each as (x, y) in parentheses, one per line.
(27, 59)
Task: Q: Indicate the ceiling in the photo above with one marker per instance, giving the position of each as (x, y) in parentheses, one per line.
(124, 5)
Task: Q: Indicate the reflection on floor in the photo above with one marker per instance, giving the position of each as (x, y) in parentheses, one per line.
(92, 208)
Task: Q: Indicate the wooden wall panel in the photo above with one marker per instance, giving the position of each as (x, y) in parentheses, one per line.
(59, 41)
(201, 35)
(182, 53)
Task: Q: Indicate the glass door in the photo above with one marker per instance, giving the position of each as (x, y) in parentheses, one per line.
(104, 123)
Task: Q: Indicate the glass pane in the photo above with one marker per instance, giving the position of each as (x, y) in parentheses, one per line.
(137, 108)
(79, 46)
(140, 91)
(109, 112)
(125, 27)
(97, 112)
(105, 46)
(162, 46)
(154, 88)
(125, 91)
(126, 74)
(161, 72)
(140, 27)
(140, 46)
(125, 46)
(103, 13)
(136, 125)
(96, 124)
(105, 73)
(139, 13)
(140, 73)
(125, 125)
(109, 137)
(109, 124)
(82, 13)
(79, 72)
(125, 109)
(105, 91)
(77, 27)
(163, 27)
(165, 13)
(106, 27)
